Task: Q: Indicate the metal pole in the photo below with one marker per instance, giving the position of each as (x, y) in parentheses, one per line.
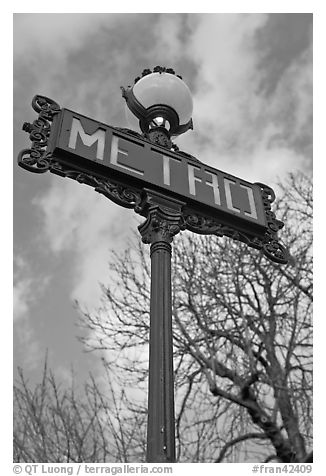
(160, 430)
(163, 222)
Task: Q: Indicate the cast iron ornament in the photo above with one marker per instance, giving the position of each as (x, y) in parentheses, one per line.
(164, 218)
(120, 194)
(38, 160)
(157, 69)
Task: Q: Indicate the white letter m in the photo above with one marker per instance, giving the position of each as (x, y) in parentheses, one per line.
(87, 139)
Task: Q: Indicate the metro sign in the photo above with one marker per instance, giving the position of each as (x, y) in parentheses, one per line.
(123, 165)
(120, 154)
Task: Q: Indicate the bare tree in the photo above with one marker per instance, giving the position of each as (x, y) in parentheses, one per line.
(60, 424)
(242, 338)
(242, 356)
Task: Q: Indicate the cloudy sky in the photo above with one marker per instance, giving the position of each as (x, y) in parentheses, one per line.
(251, 80)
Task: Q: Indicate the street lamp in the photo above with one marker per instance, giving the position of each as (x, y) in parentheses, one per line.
(160, 104)
(172, 189)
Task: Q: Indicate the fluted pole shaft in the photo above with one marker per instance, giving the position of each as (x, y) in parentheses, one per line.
(160, 431)
(164, 221)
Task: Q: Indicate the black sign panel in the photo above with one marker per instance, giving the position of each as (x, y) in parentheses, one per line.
(116, 154)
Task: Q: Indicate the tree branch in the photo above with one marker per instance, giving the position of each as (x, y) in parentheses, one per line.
(233, 442)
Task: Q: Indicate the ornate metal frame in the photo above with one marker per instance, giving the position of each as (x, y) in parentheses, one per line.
(38, 160)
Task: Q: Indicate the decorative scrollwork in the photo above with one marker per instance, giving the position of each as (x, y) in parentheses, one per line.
(275, 251)
(160, 228)
(271, 247)
(164, 218)
(36, 159)
(268, 197)
(156, 69)
(205, 225)
(45, 106)
(268, 244)
(118, 193)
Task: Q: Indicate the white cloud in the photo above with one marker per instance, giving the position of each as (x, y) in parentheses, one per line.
(21, 298)
(87, 225)
(238, 128)
(44, 44)
(22, 292)
(54, 34)
(223, 48)
(169, 45)
(28, 344)
(27, 288)
(291, 104)
(26, 292)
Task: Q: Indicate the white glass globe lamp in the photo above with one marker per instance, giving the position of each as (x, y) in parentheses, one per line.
(160, 103)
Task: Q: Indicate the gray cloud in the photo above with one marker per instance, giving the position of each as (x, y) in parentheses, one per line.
(251, 82)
